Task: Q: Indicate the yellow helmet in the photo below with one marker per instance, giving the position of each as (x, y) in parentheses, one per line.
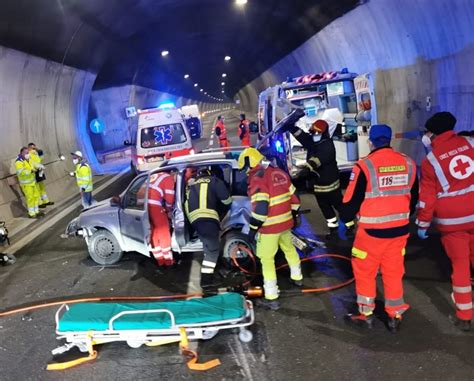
(250, 157)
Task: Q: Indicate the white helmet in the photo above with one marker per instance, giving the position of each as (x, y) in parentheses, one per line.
(78, 154)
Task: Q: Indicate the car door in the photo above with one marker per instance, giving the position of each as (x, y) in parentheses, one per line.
(134, 224)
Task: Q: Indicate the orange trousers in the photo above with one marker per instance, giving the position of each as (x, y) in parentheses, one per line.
(160, 235)
(369, 254)
(459, 247)
(224, 143)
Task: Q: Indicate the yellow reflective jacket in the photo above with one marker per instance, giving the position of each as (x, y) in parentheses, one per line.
(25, 172)
(84, 177)
(35, 159)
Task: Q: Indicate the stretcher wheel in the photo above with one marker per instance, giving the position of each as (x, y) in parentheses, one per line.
(245, 336)
(134, 343)
(209, 334)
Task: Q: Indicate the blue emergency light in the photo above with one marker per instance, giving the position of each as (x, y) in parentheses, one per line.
(279, 146)
(166, 106)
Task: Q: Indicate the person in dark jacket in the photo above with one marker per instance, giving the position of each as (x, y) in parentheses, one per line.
(207, 200)
(324, 173)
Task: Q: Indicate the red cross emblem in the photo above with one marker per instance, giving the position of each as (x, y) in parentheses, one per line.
(461, 167)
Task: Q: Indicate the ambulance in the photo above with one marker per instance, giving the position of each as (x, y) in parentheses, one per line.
(161, 135)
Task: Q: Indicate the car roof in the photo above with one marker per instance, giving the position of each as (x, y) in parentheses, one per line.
(209, 158)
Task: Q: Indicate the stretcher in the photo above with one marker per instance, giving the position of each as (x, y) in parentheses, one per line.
(84, 325)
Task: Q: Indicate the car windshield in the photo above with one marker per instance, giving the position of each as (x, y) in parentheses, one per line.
(164, 135)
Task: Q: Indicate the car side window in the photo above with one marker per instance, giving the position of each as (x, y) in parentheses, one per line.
(239, 183)
(135, 196)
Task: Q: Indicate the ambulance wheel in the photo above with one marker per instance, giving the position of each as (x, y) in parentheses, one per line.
(245, 336)
(234, 243)
(104, 248)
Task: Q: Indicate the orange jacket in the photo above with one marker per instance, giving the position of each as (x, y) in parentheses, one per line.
(161, 191)
(273, 199)
(447, 184)
(220, 130)
(390, 178)
(244, 132)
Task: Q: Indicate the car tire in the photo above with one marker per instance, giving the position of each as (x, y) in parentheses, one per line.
(104, 248)
(231, 240)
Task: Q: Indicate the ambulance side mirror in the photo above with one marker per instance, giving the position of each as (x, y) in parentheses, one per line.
(115, 201)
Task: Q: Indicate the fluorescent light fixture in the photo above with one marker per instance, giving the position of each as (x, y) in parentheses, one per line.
(201, 90)
(195, 85)
(227, 58)
(222, 83)
(205, 92)
(164, 53)
(240, 2)
(186, 76)
(222, 91)
(224, 75)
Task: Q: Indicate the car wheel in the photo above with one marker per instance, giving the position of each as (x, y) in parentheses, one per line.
(233, 242)
(104, 248)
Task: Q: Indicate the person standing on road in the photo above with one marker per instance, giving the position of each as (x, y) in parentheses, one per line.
(447, 198)
(83, 174)
(25, 172)
(275, 207)
(36, 158)
(161, 195)
(244, 131)
(207, 200)
(221, 132)
(323, 169)
(383, 190)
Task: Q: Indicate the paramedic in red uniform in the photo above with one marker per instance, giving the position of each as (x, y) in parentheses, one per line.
(383, 190)
(221, 132)
(161, 194)
(447, 199)
(244, 131)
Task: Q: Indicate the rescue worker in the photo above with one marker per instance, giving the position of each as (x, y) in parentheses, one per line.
(161, 195)
(25, 172)
(382, 191)
(447, 198)
(323, 169)
(275, 206)
(208, 199)
(5, 259)
(83, 174)
(244, 131)
(221, 132)
(36, 158)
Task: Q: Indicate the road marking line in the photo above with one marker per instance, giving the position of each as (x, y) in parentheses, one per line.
(46, 225)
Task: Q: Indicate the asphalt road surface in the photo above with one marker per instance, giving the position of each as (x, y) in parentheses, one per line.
(306, 339)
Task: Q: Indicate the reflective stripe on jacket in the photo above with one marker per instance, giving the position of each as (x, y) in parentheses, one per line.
(273, 198)
(24, 171)
(447, 184)
(161, 190)
(84, 177)
(390, 176)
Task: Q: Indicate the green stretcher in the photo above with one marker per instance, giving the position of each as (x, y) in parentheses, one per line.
(84, 325)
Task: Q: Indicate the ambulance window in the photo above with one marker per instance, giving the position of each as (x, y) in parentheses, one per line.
(160, 136)
(135, 196)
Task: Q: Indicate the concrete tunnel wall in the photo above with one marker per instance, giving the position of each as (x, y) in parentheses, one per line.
(414, 49)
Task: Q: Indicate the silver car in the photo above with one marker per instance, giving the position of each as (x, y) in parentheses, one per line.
(121, 223)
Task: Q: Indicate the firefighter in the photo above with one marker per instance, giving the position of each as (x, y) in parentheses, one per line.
(221, 132)
(83, 175)
(275, 206)
(447, 198)
(244, 131)
(383, 190)
(27, 179)
(324, 173)
(208, 200)
(36, 158)
(161, 195)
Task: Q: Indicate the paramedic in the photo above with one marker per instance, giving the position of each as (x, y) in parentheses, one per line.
(244, 131)
(383, 190)
(27, 179)
(221, 132)
(83, 174)
(447, 198)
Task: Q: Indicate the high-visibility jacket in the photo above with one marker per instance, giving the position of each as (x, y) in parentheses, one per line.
(221, 130)
(273, 199)
(390, 177)
(84, 176)
(37, 162)
(25, 171)
(161, 190)
(447, 184)
(244, 132)
(206, 198)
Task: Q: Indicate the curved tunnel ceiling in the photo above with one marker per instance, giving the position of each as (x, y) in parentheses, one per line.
(122, 40)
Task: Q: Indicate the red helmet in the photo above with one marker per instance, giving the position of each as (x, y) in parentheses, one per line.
(319, 127)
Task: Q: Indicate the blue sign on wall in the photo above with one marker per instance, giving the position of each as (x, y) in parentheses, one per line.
(97, 126)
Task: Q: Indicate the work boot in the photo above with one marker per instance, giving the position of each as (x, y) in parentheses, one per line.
(6, 259)
(297, 283)
(394, 323)
(463, 325)
(35, 217)
(42, 206)
(49, 203)
(273, 305)
(209, 282)
(332, 234)
(359, 320)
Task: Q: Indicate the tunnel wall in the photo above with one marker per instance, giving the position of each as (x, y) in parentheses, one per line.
(109, 105)
(46, 103)
(413, 49)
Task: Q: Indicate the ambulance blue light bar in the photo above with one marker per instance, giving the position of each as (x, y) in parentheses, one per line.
(279, 146)
(166, 106)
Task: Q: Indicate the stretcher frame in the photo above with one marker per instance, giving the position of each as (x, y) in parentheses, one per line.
(84, 340)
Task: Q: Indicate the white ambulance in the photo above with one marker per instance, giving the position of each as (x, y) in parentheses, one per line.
(161, 135)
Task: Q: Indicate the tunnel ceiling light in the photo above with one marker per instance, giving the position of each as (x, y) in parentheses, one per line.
(201, 90)
(195, 85)
(186, 76)
(164, 53)
(222, 91)
(222, 83)
(240, 2)
(224, 75)
(227, 58)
